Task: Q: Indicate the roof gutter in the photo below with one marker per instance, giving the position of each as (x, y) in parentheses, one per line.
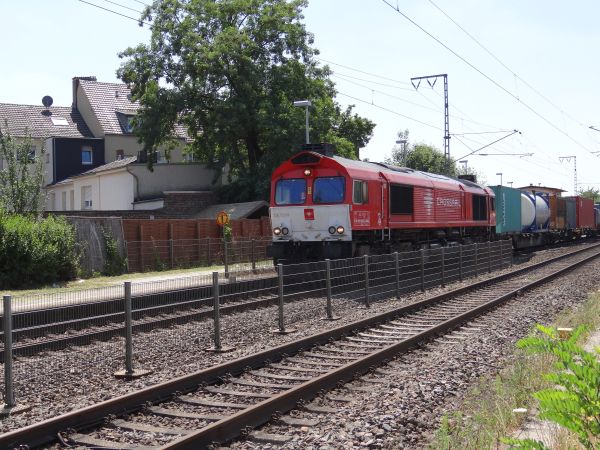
(136, 195)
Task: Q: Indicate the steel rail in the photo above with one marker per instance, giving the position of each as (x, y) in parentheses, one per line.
(43, 432)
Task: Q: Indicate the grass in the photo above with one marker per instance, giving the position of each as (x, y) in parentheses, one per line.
(486, 414)
(103, 281)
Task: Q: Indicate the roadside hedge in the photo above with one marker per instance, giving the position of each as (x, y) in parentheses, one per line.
(36, 252)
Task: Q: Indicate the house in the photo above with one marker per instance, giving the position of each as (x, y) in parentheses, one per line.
(93, 160)
(125, 184)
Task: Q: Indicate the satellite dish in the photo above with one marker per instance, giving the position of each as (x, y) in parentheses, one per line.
(47, 101)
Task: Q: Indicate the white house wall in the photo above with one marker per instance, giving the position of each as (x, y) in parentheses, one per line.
(110, 191)
(172, 177)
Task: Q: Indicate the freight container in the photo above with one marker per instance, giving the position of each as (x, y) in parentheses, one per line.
(561, 213)
(585, 212)
(558, 213)
(508, 209)
(597, 215)
(571, 213)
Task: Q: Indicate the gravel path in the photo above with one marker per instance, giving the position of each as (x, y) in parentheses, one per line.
(58, 382)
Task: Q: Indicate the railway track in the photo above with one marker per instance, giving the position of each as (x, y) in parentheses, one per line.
(217, 404)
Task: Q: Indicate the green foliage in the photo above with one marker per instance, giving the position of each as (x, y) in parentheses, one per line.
(575, 402)
(227, 232)
(229, 71)
(36, 252)
(592, 193)
(115, 263)
(22, 177)
(421, 157)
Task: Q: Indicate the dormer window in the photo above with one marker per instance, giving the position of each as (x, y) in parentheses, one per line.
(127, 122)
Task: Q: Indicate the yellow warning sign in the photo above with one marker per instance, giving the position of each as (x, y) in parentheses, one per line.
(222, 218)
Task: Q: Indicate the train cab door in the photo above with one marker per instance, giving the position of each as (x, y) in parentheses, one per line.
(384, 206)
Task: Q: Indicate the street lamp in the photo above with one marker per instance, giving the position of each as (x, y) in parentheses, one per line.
(500, 173)
(403, 141)
(509, 182)
(304, 104)
(465, 162)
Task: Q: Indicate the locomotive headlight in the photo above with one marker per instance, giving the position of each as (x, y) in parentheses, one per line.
(332, 230)
(285, 231)
(340, 230)
(276, 231)
(307, 172)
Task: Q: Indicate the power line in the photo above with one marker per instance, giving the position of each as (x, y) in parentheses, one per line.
(139, 21)
(123, 6)
(363, 72)
(483, 74)
(391, 111)
(374, 82)
(489, 52)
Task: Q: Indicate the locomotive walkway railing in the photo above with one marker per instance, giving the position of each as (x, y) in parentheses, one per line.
(326, 288)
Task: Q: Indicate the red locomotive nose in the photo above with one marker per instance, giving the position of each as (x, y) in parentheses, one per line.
(309, 214)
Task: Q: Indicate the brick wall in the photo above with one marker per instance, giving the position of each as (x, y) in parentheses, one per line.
(188, 203)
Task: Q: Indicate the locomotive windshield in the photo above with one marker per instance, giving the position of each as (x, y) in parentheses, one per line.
(329, 190)
(290, 192)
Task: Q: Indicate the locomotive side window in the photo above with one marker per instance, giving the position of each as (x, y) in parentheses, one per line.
(479, 207)
(401, 199)
(328, 190)
(360, 192)
(290, 192)
(493, 204)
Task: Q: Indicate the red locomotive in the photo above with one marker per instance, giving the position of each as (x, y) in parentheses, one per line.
(326, 206)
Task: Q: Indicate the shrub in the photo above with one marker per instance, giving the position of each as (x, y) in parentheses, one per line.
(35, 252)
(115, 263)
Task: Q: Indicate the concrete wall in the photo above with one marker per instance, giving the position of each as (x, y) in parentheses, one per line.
(171, 177)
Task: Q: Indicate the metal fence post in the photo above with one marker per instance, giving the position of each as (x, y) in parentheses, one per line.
(422, 251)
(280, 320)
(253, 254)
(460, 262)
(218, 348)
(128, 330)
(397, 269)
(367, 293)
(208, 255)
(226, 257)
(443, 267)
(511, 257)
(9, 393)
(489, 249)
(501, 254)
(476, 259)
(129, 372)
(328, 308)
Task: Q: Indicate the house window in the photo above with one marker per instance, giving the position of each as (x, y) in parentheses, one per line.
(86, 197)
(72, 200)
(360, 193)
(31, 153)
(127, 122)
(120, 154)
(64, 200)
(86, 155)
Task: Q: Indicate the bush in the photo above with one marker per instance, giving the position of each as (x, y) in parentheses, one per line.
(36, 252)
(115, 263)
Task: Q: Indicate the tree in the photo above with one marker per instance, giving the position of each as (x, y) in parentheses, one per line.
(22, 177)
(592, 193)
(229, 71)
(420, 157)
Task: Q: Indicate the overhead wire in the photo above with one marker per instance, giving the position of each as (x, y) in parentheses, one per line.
(487, 77)
(139, 21)
(489, 52)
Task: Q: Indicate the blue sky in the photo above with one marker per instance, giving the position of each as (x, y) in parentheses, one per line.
(549, 45)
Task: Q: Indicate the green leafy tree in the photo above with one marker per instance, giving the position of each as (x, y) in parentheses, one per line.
(420, 157)
(22, 177)
(592, 193)
(229, 71)
(575, 402)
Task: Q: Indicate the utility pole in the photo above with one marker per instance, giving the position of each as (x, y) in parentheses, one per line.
(568, 159)
(446, 115)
